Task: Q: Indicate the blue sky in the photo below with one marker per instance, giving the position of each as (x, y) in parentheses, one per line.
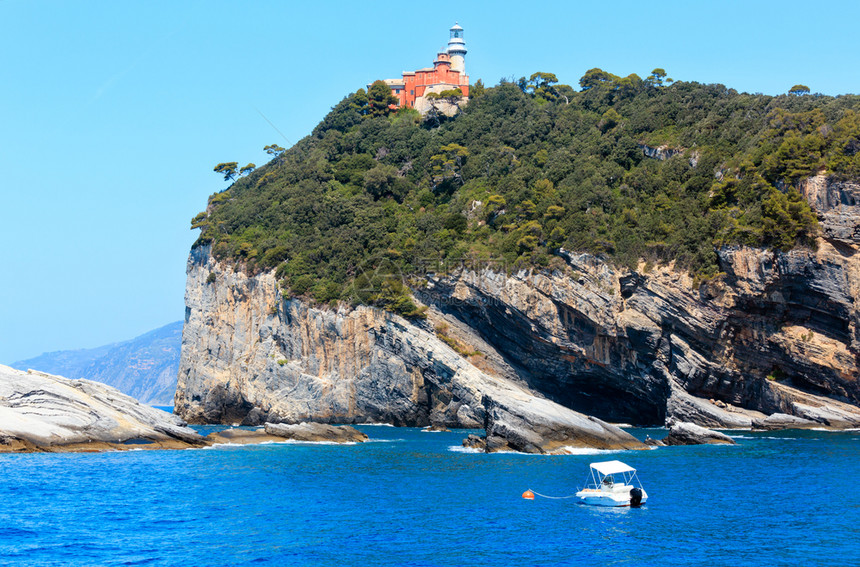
(112, 114)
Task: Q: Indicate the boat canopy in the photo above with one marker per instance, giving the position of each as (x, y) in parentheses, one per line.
(612, 467)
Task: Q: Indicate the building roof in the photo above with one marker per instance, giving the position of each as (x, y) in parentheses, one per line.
(456, 26)
(612, 467)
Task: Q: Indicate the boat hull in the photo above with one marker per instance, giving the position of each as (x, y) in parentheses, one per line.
(606, 499)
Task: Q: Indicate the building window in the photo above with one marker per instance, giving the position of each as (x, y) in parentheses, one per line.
(412, 92)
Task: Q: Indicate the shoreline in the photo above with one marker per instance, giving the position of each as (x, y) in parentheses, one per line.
(236, 436)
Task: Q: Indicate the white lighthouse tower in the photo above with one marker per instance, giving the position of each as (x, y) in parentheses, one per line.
(457, 49)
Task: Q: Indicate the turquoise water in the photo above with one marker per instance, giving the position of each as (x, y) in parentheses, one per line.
(408, 498)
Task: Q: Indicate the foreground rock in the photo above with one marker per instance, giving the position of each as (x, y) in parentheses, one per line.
(521, 422)
(682, 433)
(279, 432)
(784, 421)
(41, 412)
(316, 432)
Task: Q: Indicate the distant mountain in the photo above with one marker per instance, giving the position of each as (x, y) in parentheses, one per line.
(144, 367)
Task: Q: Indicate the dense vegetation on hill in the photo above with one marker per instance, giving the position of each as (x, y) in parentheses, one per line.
(529, 167)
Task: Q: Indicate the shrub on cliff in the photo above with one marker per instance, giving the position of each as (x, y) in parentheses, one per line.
(527, 169)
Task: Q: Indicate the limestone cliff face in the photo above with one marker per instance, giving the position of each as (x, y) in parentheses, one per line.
(250, 356)
(775, 334)
(838, 205)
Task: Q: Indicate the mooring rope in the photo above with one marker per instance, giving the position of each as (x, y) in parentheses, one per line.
(552, 497)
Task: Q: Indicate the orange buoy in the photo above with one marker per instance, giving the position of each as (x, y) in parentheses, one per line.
(529, 495)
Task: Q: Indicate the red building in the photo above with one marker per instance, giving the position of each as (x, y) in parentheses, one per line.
(448, 72)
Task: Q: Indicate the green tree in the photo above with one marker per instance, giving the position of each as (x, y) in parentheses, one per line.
(656, 77)
(380, 180)
(495, 206)
(275, 151)
(247, 169)
(380, 99)
(798, 90)
(596, 78)
(477, 90)
(609, 120)
(554, 212)
(844, 146)
(228, 169)
(788, 219)
(541, 85)
(446, 166)
(360, 102)
(452, 96)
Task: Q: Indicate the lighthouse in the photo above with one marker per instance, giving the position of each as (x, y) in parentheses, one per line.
(457, 49)
(448, 73)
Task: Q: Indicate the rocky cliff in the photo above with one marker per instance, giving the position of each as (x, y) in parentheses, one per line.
(772, 331)
(775, 333)
(838, 205)
(250, 356)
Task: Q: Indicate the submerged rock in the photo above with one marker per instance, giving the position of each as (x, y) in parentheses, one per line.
(477, 442)
(41, 412)
(683, 433)
(653, 442)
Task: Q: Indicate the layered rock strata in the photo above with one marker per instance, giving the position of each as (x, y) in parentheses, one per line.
(41, 412)
(250, 356)
(280, 432)
(775, 333)
(316, 432)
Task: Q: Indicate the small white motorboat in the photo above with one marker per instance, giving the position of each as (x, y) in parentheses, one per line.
(612, 483)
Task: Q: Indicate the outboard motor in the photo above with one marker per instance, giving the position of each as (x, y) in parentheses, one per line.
(635, 497)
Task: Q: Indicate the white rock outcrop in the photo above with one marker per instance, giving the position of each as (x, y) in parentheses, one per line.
(40, 411)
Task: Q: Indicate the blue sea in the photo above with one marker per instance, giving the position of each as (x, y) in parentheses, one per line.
(411, 497)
